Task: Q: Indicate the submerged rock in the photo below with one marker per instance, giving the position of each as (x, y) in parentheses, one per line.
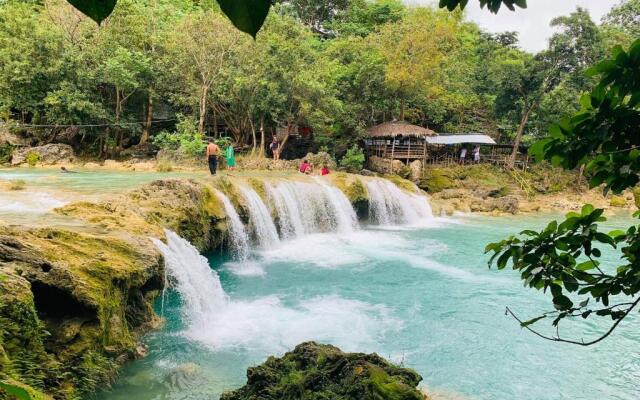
(316, 371)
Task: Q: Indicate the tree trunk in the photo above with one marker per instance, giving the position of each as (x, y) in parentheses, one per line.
(203, 108)
(118, 111)
(262, 138)
(254, 139)
(147, 127)
(519, 133)
(401, 109)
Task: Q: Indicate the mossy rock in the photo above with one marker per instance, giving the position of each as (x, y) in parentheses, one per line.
(355, 190)
(435, 180)
(618, 201)
(402, 183)
(316, 372)
(636, 196)
(80, 304)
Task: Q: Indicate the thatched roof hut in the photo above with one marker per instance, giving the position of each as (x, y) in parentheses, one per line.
(398, 128)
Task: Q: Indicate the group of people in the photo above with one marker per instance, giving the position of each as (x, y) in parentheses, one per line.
(475, 154)
(307, 168)
(213, 152)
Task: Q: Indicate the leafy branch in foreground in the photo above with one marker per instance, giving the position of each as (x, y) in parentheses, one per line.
(249, 15)
(492, 5)
(564, 259)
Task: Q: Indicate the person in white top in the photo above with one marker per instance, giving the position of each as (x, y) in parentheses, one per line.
(476, 154)
(463, 155)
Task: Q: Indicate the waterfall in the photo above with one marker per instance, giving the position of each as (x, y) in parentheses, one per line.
(260, 219)
(198, 284)
(237, 233)
(303, 208)
(390, 205)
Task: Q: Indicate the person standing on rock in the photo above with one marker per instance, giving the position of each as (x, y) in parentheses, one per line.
(230, 155)
(275, 148)
(213, 151)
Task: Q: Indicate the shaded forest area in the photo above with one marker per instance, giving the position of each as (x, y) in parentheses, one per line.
(170, 72)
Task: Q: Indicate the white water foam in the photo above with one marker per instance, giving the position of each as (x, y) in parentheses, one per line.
(237, 233)
(266, 323)
(260, 219)
(29, 202)
(389, 205)
(303, 208)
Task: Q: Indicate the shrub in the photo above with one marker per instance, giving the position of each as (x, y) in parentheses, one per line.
(6, 150)
(164, 166)
(353, 161)
(636, 196)
(32, 159)
(18, 184)
(185, 138)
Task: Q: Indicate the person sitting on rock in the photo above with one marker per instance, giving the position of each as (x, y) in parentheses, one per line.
(324, 170)
(305, 167)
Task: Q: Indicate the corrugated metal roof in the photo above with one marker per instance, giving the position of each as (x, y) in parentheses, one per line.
(460, 139)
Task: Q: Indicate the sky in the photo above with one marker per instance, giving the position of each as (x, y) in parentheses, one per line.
(531, 23)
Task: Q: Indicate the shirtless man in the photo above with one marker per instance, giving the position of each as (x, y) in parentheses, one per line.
(213, 151)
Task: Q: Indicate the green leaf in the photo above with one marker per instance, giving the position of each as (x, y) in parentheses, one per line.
(246, 15)
(97, 10)
(16, 391)
(587, 265)
(532, 321)
(562, 302)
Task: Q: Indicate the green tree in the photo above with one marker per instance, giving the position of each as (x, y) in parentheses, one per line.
(622, 23)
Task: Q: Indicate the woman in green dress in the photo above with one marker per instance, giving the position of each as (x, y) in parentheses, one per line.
(231, 157)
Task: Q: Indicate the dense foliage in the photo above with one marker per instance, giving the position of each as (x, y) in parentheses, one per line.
(564, 258)
(331, 68)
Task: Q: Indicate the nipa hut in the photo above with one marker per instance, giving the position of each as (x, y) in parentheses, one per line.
(398, 140)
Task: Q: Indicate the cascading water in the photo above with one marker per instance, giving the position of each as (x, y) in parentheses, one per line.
(199, 285)
(260, 218)
(237, 233)
(304, 208)
(390, 205)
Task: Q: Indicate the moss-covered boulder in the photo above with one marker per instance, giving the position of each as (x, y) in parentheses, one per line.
(435, 180)
(74, 305)
(354, 189)
(187, 207)
(314, 371)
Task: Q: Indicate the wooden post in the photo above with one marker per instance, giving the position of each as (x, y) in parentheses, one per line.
(424, 153)
(393, 151)
(409, 151)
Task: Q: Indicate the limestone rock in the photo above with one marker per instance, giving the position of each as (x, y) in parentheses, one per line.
(49, 154)
(383, 165)
(416, 170)
(317, 371)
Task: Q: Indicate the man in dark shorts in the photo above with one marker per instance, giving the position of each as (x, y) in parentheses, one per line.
(212, 156)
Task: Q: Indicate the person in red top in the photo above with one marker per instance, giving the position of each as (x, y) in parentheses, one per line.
(305, 167)
(324, 170)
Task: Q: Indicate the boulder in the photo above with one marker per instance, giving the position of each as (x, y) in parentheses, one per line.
(49, 154)
(383, 165)
(318, 371)
(416, 170)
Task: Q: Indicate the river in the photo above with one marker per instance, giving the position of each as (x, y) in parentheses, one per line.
(419, 294)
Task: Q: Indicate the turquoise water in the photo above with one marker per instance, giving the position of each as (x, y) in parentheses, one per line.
(87, 181)
(420, 297)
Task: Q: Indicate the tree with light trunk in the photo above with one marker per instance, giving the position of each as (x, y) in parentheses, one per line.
(199, 48)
